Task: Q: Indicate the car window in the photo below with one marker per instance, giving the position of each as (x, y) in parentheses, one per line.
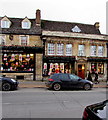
(64, 76)
(74, 77)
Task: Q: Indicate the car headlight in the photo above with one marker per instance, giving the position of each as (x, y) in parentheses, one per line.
(13, 80)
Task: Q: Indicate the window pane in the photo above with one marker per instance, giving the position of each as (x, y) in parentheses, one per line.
(51, 49)
(2, 40)
(23, 40)
(25, 25)
(81, 50)
(69, 49)
(60, 49)
(101, 68)
(100, 51)
(5, 24)
(93, 50)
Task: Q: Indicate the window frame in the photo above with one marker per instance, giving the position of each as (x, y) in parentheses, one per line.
(27, 37)
(60, 49)
(5, 24)
(51, 49)
(93, 52)
(82, 51)
(26, 25)
(68, 50)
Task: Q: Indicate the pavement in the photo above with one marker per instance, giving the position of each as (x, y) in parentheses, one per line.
(41, 84)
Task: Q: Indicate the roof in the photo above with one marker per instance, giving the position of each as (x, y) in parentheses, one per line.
(16, 28)
(47, 25)
(68, 26)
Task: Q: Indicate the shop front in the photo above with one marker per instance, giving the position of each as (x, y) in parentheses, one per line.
(58, 64)
(19, 62)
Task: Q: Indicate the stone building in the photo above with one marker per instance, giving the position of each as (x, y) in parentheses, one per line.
(74, 48)
(35, 48)
(22, 48)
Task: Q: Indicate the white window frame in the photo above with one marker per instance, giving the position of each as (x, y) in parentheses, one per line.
(81, 50)
(100, 51)
(5, 24)
(68, 49)
(21, 39)
(60, 49)
(93, 50)
(51, 49)
(26, 25)
(2, 40)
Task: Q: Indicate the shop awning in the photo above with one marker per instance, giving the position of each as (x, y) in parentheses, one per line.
(59, 59)
(29, 49)
(97, 59)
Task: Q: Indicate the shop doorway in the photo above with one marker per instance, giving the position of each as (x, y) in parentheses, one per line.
(81, 70)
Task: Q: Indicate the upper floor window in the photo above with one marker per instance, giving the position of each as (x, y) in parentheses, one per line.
(24, 40)
(26, 25)
(60, 49)
(51, 48)
(81, 49)
(5, 24)
(2, 40)
(76, 29)
(68, 49)
(93, 50)
(100, 51)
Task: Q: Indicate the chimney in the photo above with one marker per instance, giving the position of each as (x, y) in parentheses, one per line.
(97, 25)
(38, 17)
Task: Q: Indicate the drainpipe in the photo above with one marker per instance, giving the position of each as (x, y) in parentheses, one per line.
(107, 61)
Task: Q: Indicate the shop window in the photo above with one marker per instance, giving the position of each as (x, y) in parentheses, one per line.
(93, 50)
(68, 49)
(99, 67)
(17, 62)
(100, 51)
(24, 40)
(60, 49)
(51, 68)
(51, 49)
(81, 50)
(2, 40)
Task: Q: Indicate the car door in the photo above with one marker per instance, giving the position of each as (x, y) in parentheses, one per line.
(65, 80)
(0, 83)
(74, 80)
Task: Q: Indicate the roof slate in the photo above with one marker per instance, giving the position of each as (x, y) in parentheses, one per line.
(16, 28)
(47, 25)
(67, 27)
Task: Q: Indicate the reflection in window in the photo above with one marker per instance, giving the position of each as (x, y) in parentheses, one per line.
(99, 67)
(60, 49)
(51, 48)
(100, 51)
(26, 25)
(81, 50)
(93, 51)
(5, 24)
(68, 49)
(24, 40)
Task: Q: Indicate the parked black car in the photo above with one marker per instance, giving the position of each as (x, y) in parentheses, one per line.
(98, 111)
(66, 80)
(7, 84)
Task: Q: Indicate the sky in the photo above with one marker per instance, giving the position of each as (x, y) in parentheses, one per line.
(79, 11)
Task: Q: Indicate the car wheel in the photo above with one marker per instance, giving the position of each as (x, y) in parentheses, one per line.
(87, 87)
(6, 86)
(57, 86)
